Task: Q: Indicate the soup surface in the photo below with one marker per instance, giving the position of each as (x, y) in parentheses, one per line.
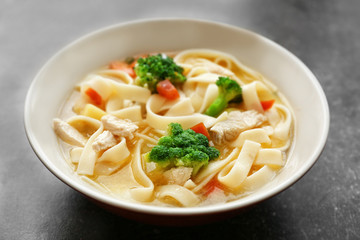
(182, 129)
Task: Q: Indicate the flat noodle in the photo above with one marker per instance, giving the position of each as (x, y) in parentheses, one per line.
(269, 157)
(181, 108)
(258, 179)
(145, 192)
(211, 94)
(203, 182)
(85, 125)
(206, 77)
(282, 129)
(181, 194)
(144, 137)
(216, 166)
(100, 84)
(75, 154)
(89, 156)
(161, 122)
(235, 173)
(117, 74)
(132, 113)
(250, 96)
(117, 153)
(131, 92)
(258, 135)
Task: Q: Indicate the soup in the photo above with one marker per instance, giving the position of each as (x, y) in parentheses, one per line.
(182, 129)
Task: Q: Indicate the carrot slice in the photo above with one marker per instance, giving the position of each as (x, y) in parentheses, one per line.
(166, 89)
(212, 186)
(200, 128)
(118, 65)
(266, 105)
(94, 96)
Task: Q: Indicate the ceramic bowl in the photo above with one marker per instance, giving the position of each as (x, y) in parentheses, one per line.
(57, 78)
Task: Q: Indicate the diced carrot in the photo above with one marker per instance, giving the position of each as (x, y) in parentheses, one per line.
(132, 65)
(94, 96)
(200, 128)
(266, 105)
(118, 65)
(166, 89)
(212, 186)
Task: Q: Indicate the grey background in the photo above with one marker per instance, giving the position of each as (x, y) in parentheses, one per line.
(324, 204)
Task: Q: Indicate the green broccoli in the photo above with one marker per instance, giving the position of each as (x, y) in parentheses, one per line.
(182, 148)
(228, 90)
(156, 68)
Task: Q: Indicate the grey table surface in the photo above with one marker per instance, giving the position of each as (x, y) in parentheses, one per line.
(324, 204)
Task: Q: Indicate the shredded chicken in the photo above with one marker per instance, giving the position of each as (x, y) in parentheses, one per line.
(119, 127)
(68, 133)
(237, 122)
(178, 175)
(104, 141)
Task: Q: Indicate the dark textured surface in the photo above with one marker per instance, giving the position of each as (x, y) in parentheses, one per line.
(324, 204)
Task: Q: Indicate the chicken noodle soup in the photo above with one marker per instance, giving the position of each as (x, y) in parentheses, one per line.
(186, 129)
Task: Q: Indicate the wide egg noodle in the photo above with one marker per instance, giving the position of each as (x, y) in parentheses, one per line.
(258, 179)
(145, 192)
(188, 58)
(117, 153)
(258, 135)
(89, 156)
(181, 108)
(235, 172)
(211, 94)
(250, 97)
(282, 129)
(131, 92)
(161, 122)
(92, 111)
(117, 75)
(181, 194)
(85, 125)
(206, 77)
(132, 113)
(75, 154)
(214, 167)
(269, 156)
(100, 84)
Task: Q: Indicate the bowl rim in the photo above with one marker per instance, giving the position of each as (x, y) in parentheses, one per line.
(175, 211)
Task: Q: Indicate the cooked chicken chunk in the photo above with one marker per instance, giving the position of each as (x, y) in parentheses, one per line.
(104, 141)
(68, 133)
(119, 127)
(237, 122)
(178, 175)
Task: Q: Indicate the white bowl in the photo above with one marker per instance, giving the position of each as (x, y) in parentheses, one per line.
(57, 78)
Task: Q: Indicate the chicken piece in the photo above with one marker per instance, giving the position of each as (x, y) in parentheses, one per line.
(104, 141)
(178, 175)
(68, 133)
(119, 127)
(237, 122)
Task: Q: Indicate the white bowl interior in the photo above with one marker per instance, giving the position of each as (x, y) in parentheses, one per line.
(57, 78)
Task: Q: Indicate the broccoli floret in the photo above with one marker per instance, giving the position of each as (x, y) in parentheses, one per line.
(182, 148)
(228, 90)
(156, 68)
(174, 129)
(195, 159)
(160, 154)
